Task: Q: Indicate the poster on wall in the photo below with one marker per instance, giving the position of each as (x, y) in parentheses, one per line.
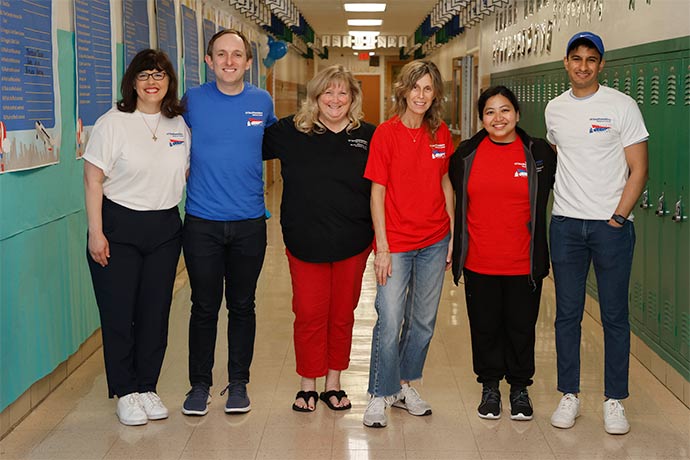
(95, 61)
(190, 46)
(166, 21)
(210, 29)
(29, 127)
(135, 27)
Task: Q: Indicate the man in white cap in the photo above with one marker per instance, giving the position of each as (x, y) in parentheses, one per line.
(601, 142)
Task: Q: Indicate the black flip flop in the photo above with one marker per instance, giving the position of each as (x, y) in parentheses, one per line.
(306, 395)
(339, 395)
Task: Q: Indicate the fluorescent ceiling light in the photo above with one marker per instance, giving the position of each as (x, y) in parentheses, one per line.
(366, 33)
(364, 22)
(365, 7)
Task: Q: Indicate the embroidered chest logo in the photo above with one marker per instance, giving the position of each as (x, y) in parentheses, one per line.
(599, 125)
(358, 143)
(254, 118)
(520, 169)
(175, 138)
(438, 151)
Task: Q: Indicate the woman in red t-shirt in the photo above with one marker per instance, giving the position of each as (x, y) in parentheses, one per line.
(502, 179)
(412, 207)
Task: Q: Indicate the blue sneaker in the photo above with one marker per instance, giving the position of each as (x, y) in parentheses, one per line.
(197, 400)
(238, 401)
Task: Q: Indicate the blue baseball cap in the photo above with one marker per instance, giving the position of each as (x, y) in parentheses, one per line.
(594, 39)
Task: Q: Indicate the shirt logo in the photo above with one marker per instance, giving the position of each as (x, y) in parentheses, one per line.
(438, 151)
(174, 142)
(540, 165)
(358, 143)
(254, 121)
(520, 169)
(599, 125)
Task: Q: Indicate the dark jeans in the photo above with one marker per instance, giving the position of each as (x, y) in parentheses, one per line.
(503, 312)
(134, 292)
(575, 244)
(215, 253)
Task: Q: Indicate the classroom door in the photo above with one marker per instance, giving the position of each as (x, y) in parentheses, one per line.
(371, 97)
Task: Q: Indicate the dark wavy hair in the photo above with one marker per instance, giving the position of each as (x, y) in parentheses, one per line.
(149, 59)
(408, 77)
(495, 91)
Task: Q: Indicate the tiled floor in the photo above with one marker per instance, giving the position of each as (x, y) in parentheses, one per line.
(77, 421)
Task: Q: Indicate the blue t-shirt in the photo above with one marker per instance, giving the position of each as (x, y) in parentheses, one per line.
(226, 172)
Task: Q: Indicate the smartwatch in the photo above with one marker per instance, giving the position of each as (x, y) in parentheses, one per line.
(620, 220)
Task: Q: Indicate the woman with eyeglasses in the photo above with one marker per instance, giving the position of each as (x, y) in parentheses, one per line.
(134, 175)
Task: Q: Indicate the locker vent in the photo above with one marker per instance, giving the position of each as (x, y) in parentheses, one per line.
(654, 98)
(684, 333)
(636, 301)
(687, 88)
(627, 85)
(671, 89)
(640, 88)
(616, 83)
(652, 307)
(668, 323)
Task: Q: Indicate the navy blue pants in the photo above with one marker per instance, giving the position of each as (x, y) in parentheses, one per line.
(134, 292)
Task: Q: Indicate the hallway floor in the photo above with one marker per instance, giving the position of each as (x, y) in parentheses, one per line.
(78, 421)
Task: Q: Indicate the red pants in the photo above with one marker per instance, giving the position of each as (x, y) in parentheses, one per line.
(324, 298)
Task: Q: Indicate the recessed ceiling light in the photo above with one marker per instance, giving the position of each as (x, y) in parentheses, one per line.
(364, 22)
(365, 7)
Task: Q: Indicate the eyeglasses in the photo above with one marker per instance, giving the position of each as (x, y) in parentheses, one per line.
(158, 76)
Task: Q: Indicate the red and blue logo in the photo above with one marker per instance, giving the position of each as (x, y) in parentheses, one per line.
(174, 142)
(255, 121)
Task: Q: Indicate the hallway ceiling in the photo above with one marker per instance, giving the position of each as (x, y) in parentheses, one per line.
(402, 17)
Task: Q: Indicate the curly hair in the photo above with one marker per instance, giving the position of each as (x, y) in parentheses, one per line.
(408, 77)
(307, 118)
(149, 59)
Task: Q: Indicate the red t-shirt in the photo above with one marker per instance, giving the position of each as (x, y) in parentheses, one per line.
(498, 211)
(410, 165)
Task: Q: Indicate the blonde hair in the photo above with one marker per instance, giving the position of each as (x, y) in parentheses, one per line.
(408, 77)
(307, 118)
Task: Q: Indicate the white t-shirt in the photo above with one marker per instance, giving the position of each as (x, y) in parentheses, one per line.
(590, 134)
(140, 173)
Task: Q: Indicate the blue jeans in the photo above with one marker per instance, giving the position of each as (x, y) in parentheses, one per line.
(574, 244)
(222, 257)
(406, 308)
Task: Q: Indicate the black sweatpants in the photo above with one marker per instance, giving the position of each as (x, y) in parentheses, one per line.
(134, 292)
(503, 313)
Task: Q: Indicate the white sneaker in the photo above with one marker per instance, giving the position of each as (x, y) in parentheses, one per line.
(129, 410)
(153, 406)
(375, 414)
(409, 399)
(567, 411)
(614, 417)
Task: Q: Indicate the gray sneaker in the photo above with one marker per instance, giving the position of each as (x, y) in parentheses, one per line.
(197, 400)
(409, 399)
(375, 414)
(238, 400)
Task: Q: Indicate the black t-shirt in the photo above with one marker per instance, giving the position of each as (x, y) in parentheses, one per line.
(325, 212)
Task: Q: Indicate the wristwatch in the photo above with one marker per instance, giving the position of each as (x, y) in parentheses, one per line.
(620, 220)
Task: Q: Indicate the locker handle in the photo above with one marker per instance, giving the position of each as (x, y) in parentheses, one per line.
(645, 200)
(678, 216)
(661, 207)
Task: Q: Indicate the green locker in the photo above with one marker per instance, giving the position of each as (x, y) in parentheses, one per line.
(642, 228)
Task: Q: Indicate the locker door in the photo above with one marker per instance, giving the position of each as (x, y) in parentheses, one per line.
(683, 228)
(668, 242)
(642, 230)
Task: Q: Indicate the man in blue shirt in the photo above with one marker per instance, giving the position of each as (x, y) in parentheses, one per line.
(225, 226)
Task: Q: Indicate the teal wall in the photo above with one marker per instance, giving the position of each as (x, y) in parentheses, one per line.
(657, 76)
(47, 307)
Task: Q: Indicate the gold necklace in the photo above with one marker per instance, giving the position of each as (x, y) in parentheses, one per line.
(409, 131)
(153, 131)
